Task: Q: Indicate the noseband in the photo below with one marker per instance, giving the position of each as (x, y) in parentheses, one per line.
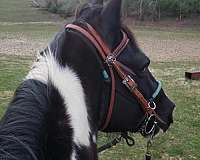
(110, 57)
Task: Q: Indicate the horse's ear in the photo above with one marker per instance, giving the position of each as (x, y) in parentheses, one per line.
(100, 2)
(112, 13)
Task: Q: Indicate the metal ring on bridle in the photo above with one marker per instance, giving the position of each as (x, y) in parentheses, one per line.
(153, 126)
(152, 105)
(110, 59)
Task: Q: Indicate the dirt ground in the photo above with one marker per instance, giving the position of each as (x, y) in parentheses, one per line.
(25, 34)
(157, 48)
(171, 50)
(21, 45)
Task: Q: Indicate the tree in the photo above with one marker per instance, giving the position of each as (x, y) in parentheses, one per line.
(141, 9)
(141, 5)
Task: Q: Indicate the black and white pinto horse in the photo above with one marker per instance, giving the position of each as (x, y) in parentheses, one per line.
(58, 109)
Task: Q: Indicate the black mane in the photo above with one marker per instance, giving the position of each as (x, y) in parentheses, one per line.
(23, 124)
(35, 125)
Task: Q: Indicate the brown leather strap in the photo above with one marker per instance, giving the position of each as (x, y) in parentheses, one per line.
(112, 100)
(89, 36)
(110, 58)
(106, 49)
(113, 55)
(121, 46)
(103, 50)
(132, 86)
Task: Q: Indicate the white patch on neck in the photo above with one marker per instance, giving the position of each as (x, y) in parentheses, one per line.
(39, 70)
(73, 156)
(94, 138)
(70, 88)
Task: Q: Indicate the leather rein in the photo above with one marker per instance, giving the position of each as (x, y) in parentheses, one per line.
(110, 57)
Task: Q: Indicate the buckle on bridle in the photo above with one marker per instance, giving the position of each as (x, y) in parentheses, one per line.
(126, 80)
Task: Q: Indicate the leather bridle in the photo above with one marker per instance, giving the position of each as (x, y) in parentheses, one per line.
(110, 57)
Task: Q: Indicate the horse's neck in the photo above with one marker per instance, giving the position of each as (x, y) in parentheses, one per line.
(66, 94)
(72, 50)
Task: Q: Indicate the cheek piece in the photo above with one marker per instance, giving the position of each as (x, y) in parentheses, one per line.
(150, 124)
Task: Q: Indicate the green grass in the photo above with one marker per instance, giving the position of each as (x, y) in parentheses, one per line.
(181, 142)
(21, 11)
(12, 71)
(35, 32)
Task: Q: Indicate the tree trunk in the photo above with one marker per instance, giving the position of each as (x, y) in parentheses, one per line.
(180, 13)
(159, 13)
(154, 10)
(141, 10)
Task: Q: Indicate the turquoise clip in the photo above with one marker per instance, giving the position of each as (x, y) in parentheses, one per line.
(105, 75)
(155, 94)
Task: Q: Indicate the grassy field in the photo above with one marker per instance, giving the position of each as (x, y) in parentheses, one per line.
(24, 29)
(173, 51)
(21, 11)
(181, 142)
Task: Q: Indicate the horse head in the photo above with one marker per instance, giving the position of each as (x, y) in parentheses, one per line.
(127, 114)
